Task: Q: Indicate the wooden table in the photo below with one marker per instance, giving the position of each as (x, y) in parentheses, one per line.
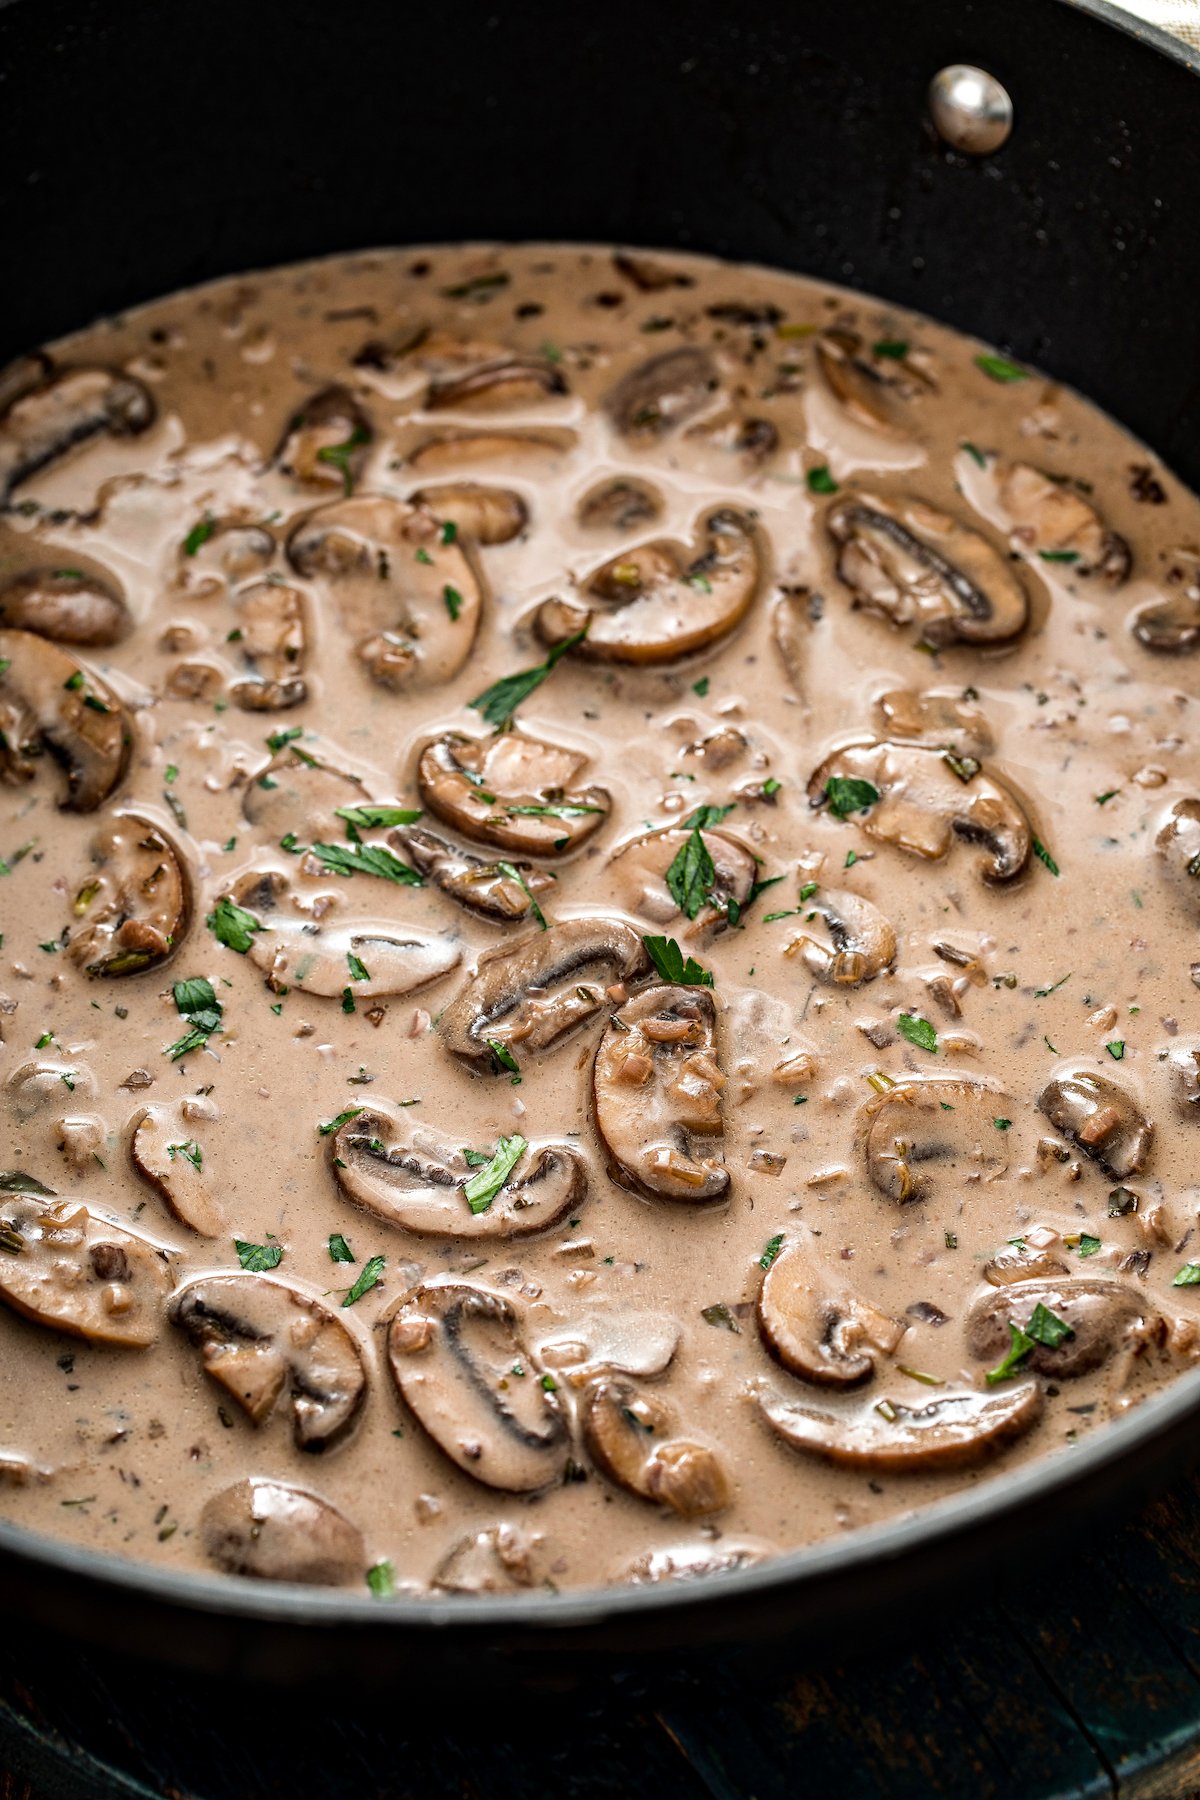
(1078, 1681)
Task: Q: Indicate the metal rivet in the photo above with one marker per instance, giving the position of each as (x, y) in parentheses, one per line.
(971, 111)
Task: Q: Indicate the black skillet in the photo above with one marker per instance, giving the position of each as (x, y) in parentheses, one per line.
(144, 147)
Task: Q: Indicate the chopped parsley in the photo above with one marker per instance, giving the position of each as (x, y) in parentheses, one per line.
(1044, 1327)
(691, 875)
(340, 454)
(449, 531)
(504, 1059)
(369, 1276)
(343, 1118)
(499, 702)
(1002, 1124)
(1116, 1049)
(1188, 1276)
(999, 368)
(1044, 856)
(190, 1151)
(374, 818)
(848, 794)
(672, 965)
(453, 602)
(1044, 993)
(820, 481)
(199, 535)
(257, 1258)
(196, 1002)
(771, 1250)
(232, 925)
(381, 1579)
(1088, 1245)
(339, 1249)
(975, 453)
(512, 873)
(481, 1188)
(1059, 556)
(358, 969)
(366, 859)
(918, 1031)
(895, 348)
(700, 688)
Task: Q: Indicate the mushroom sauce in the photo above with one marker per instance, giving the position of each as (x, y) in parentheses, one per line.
(600, 867)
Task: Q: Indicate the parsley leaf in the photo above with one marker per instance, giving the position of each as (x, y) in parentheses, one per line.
(198, 1004)
(918, 1031)
(369, 1276)
(704, 816)
(373, 818)
(357, 967)
(1044, 856)
(1088, 1245)
(1188, 1276)
(232, 925)
(381, 1579)
(198, 536)
(499, 702)
(504, 1058)
(1047, 1328)
(1019, 1349)
(257, 1258)
(771, 1251)
(514, 874)
(847, 794)
(343, 1118)
(339, 1249)
(482, 1187)
(453, 601)
(339, 455)
(671, 965)
(691, 874)
(366, 859)
(1001, 369)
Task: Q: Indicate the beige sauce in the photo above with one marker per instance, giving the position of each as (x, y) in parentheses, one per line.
(633, 1303)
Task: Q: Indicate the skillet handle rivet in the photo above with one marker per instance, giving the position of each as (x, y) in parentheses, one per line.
(971, 110)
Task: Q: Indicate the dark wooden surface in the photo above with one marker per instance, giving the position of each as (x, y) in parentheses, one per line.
(1079, 1679)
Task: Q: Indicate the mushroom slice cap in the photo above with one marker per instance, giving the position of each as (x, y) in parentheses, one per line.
(327, 441)
(951, 1432)
(530, 994)
(300, 793)
(620, 503)
(454, 1350)
(861, 388)
(1171, 625)
(641, 867)
(1051, 518)
(1101, 1117)
(272, 619)
(1178, 844)
(814, 1325)
(512, 791)
(387, 571)
(630, 1435)
(320, 958)
(65, 605)
(490, 515)
(137, 907)
(930, 1134)
(67, 408)
(647, 606)
(49, 701)
(413, 1177)
(508, 381)
(164, 1152)
(924, 805)
(260, 1339)
(1103, 1316)
(912, 564)
(506, 893)
(1183, 1061)
(67, 1268)
(602, 1343)
(937, 719)
(658, 395)
(456, 452)
(234, 549)
(278, 1532)
(862, 941)
(498, 1560)
(656, 1090)
(1021, 1262)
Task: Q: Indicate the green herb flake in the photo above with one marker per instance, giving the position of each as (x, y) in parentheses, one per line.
(232, 925)
(1044, 856)
(423, 556)
(820, 481)
(1088, 1245)
(449, 531)
(339, 456)
(1116, 1049)
(358, 969)
(1019, 1349)
(369, 1276)
(190, 1152)
(672, 965)
(375, 818)
(366, 859)
(691, 874)
(1188, 1276)
(1044, 993)
(482, 1187)
(499, 702)
(999, 368)
(452, 600)
(256, 1259)
(975, 453)
(199, 535)
(1109, 794)
(1059, 556)
(846, 794)
(771, 1251)
(548, 1384)
(343, 1118)
(700, 688)
(504, 1058)
(339, 1249)
(950, 1239)
(381, 1579)
(918, 1031)
(1047, 1328)
(720, 1315)
(1002, 1124)
(348, 1005)
(512, 873)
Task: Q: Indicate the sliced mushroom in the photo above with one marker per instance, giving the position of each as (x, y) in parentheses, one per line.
(1104, 1317)
(1102, 1118)
(1051, 518)
(48, 701)
(274, 645)
(649, 605)
(67, 1268)
(889, 1438)
(912, 564)
(1171, 625)
(737, 433)
(512, 791)
(65, 605)
(34, 1086)
(630, 1435)
(641, 866)
(454, 452)
(687, 1562)
(223, 554)
(1178, 844)
(327, 441)
(264, 1341)
(413, 1177)
(278, 1532)
(462, 1367)
(510, 381)
(931, 1135)
(814, 1325)
(494, 890)
(657, 396)
(295, 951)
(942, 720)
(490, 515)
(498, 1560)
(65, 409)
(391, 577)
(136, 905)
(299, 791)
(621, 503)
(792, 618)
(656, 1089)
(165, 1153)
(602, 1343)
(870, 391)
(1183, 1061)
(863, 943)
(530, 994)
(1022, 1262)
(924, 804)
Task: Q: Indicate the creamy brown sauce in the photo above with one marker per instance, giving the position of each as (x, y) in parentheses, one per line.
(1052, 938)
